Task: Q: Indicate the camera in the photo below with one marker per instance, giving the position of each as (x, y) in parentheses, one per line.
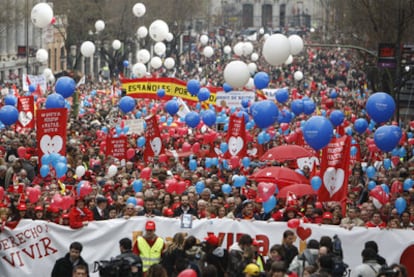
(386, 271)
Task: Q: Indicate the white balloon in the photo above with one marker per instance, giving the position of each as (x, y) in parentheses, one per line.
(80, 171)
(99, 25)
(236, 74)
(51, 79)
(138, 9)
(247, 48)
(112, 170)
(289, 60)
(156, 62)
(250, 84)
(169, 37)
(298, 75)
(139, 70)
(116, 44)
(204, 39)
(296, 44)
(159, 48)
(252, 68)
(238, 49)
(169, 63)
(276, 49)
(143, 56)
(227, 49)
(208, 51)
(254, 57)
(158, 30)
(42, 55)
(47, 72)
(266, 36)
(42, 15)
(87, 49)
(142, 32)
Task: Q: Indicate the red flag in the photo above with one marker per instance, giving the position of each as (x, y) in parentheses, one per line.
(25, 106)
(153, 142)
(291, 199)
(335, 170)
(236, 137)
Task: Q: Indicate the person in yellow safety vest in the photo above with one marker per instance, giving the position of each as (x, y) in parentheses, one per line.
(149, 246)
(258, 258)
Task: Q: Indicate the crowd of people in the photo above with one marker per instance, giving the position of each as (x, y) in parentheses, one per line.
(324, 69)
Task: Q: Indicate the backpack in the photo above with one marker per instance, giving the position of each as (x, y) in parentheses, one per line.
(339, 268)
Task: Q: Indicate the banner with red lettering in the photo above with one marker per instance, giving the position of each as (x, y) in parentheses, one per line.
(153, 142)
(116, 147)
(33, 246)
(25, 106)
(236, 137)
(51, 131)
(335, 170)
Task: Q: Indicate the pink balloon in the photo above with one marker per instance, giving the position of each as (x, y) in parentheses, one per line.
(33, 194)
(56, 201)
(196, 147)
(85, 189)
(130, 153)
(67, 202)
(186, 147)
(146, 173)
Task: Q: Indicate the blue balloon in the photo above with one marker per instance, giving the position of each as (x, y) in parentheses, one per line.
(203, 94)
(227, 87)
(163, 119)
(400, 205)
(138, 114)
(316, 183)
(261, 80)
(408, 183)
(386, 137)
(32, 88)
(385, 188)
(308, 107)
(10, 100)
(224, 147)
(246, 161)
(371, 171)
(269, 204)
(402, 152)
(44, 170)
(353, 151)
(245, 102)
(265, 113)
(45, 159)
(55, 100)
(371, 185)
(333, 94)
(209, 117)
(226, 189)
(360, 125)
(296, 106)
(193, 87)
(141, 141)
(161, 93)
(199, 187)
(336, 117)
(380, 107)
(387, 163)
(243, 114)
(317, 132)
(131, 200)
(285, 116)
(8, 115)
(192, 164)
(126, 104)
(172, 107)
(192, 119)
(65, 86)
(125, 63)
(61, 169)
(282, 95)
(137, 185)
(239, 181)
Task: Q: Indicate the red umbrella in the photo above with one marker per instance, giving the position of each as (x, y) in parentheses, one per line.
(286, 152)
(297, 189)
(282, 176)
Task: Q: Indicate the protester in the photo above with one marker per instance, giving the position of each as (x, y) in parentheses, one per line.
(135, 262)
(65, 266)
(308, 257)
(289, 248)
(369, 266)
(80, 271)
(240, 255)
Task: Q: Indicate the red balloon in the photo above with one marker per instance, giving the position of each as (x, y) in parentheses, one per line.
(56, 201)
(170, 185)
(130, 153)
(85, 189)
(146, 173)
(293, 223)
(140, 202)
(196, 147)
(186, 147)
(266, 190)
(235, 162)
(163, 158)
(284, 126)
(1, 193)
(180, 187)
(67, 202)
(187, 273)
(33, 194)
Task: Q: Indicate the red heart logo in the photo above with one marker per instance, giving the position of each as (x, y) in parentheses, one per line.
(303, 233)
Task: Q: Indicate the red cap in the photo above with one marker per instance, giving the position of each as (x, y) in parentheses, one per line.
(38, 209)
(65, 216)
(168, 212)
(213, 240)
(22, 207)
(327, 215)
(150, 225)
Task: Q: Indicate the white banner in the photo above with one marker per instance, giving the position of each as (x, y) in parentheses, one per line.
(234, 98)
(32, 248)
(35, 80)
(136, 126)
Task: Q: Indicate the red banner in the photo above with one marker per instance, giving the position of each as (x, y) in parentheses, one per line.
(25, 106)
(236, 137)
(51, 131)
(335, 170)
(153, 142)
(116, 147)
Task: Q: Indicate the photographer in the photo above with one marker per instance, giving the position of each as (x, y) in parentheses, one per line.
(125, 246)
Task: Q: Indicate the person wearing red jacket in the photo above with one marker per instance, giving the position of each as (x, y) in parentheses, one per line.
(79, 215)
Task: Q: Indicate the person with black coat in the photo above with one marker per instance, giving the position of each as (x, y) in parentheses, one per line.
(64, 266)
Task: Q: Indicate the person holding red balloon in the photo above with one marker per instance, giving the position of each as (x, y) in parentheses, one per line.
(79, 215)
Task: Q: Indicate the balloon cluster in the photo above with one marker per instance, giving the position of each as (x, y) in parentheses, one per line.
(54, 161)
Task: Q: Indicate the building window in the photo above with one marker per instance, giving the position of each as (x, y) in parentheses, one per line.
(247, 16)
(282, 16)
(267, 16)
